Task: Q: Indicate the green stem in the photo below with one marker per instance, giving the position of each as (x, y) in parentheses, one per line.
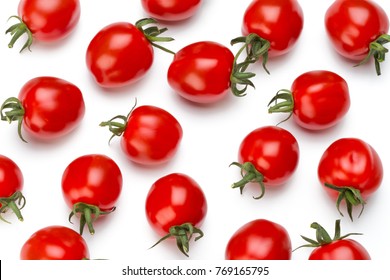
(249, 174)
(15, 203)
(12, 110)
(16, 31)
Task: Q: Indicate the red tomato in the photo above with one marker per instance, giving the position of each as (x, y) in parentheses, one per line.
(278, 21)
(45, 20)
(357, 29)
(151, 135)
(201, 72)
(91, 185)
(350, 165)
(259, 240)
(55, 243)
(317, 100)
(11, 185)
(176, 206)
(173, 10)
(269, 156)
(48, 108)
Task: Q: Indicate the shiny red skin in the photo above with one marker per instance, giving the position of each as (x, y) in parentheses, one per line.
(278, 21)
(49, 20)
(351, 162)
(11, 177)
(259, 240)
(152, 136)
(353, 24)
(53, 107)
(344, 249)
(321, 99)
(173, 200)
(173, 10)
(92, 179)
(119, 55)
(55, 243)
(273, 151)
(200, 72)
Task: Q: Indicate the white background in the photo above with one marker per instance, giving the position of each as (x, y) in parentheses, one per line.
(210, 142)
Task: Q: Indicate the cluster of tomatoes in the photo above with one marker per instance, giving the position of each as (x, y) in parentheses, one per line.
(204, 72)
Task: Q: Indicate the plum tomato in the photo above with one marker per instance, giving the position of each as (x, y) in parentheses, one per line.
(173, 10)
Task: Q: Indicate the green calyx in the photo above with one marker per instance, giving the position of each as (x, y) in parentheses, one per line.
(12, 110)
(15, 202)
(152, 33)
(183, 234)
(351, 196)
(377, 51)
(249, 174)
(16, 31)
(255, 47)
(284, 103)
(88, 215)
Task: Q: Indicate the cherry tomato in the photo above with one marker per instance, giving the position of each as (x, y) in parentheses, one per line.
(280, 22)
(269, 156)
(91, 186)
(55, 243)
(317, 100)
(45, 20)
(259, 240)
(357, 30)
(175, 207)
(11, 185)
(173, 10)
(122, 53)
(150, 135)
(47, 107)
(350, 169)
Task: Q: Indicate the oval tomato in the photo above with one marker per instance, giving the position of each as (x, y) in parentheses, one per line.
(278, 21)
(91, 185)
(45, 20)
(55, 243)
(269, 156)
(259, 240)
(175, 207)
(48, 108)
(173, 10)
(350, 169)
(11, 185)
(317, 100)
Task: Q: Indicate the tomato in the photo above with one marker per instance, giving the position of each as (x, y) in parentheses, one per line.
(259, 239)
(280, 22)
(175, 207)
(269, 156)
(55, 243)
(150, 135)
(45, 21)
(351, 170)
(173, 10)
(91, 186)
(122, 53)
(11, 185)
(317, 100)
(338, 248)
(47, 107)
(357, 30)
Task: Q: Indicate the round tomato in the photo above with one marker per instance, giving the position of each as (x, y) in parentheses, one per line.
(317, 100)
(259, 240)
(175, 207)
(55, 243)
(173, 10)
(45, 20)
(91, 185)
(280, 22)
(150, 135)
(351, 170)
(268, 156)
(11, 185)
(47, 107)
(357, 30)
